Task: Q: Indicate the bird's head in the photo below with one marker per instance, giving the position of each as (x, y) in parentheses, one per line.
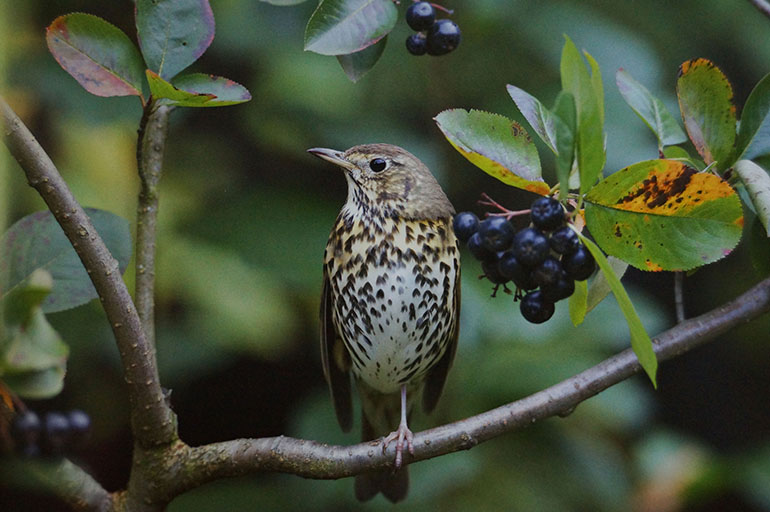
(389, 179)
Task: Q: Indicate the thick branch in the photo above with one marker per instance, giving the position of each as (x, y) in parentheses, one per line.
(149, 156)
(316, 460)
(152, 420)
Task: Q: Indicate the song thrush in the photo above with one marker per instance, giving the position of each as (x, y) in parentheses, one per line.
(391, 298)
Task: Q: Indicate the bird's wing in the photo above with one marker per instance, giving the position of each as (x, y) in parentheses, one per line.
(436, 377)
(335, 360)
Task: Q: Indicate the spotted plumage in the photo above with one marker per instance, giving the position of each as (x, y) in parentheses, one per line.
(391, 298)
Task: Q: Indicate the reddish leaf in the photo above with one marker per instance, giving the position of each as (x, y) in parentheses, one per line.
(97, 54)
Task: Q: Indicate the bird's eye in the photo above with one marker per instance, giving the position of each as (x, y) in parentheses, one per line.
(378, 164)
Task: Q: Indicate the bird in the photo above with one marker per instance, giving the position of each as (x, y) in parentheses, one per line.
(390, 301)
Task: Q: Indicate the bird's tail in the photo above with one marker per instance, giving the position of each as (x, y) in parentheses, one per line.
(393, 485)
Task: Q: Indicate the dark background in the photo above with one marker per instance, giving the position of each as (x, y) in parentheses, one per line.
(245, 213)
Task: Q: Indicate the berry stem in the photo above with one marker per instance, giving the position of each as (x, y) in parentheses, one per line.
(442, 8)
(504, 212)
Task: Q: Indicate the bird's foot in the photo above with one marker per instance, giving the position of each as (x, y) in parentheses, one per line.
(400, 435)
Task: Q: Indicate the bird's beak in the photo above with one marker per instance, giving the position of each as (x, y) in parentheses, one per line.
(333, 156)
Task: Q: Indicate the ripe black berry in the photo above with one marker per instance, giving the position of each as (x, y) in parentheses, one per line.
(56, 432)
(443, 37)
(416, 44)
(510, 268)
(477, 249)
(492, 272)
(547, 213)
(496, 233)
(580, 264)
(548, 272)
(561, 289)
(535, 308)
(420, 16)
(564, 240)
(530, 246)
(25, 428)
(465, 224)
(80, 422)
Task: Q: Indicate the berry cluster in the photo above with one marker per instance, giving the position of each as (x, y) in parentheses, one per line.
(53, 435)
(434, 37)
(543, 260)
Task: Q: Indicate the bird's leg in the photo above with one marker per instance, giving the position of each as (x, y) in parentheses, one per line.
(401, 434)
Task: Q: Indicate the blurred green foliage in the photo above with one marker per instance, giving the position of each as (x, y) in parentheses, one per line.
(245, 213)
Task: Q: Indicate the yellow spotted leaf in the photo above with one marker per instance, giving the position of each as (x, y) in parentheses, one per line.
(664, 215)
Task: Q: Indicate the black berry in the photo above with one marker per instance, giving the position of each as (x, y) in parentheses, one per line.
(465, 224)
(580, 264)
(492, 272)
(530, 246)
(547, 213)
(564, 240)
(548, 272)
(535, 308)
(478, 250)
(25, 428)
(420, 16)
(561, 289)
(510, 268)
(443, 37)
(496, 233)
(80, 422)
(416, 44)
(56, 432)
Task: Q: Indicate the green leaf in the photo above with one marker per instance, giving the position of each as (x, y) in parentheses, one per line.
(565, 123)
(705, 99)
(37, 385)
(757, 182)
(753, 139)
(640, 340)
(173, 33)
(221, 91)
(37, 241)
(339, 27)
(539, 118)
(97, 54)
(589, 104)
(498, 146)
(577, 303)
(650, 109)
(356, 65)
(681, 154)
(32, 355)
(599, 288)
(167, 94)
(283, 2)
(664, 215)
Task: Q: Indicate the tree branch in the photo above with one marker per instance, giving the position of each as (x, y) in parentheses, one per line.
(762, 6)
(311, 459)
(153, 131)
(152, 420)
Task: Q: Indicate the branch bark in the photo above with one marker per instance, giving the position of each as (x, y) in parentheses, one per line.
(152, 420)
(150, 148)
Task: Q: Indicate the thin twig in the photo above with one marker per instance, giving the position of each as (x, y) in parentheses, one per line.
(152, 420)
(150, 148)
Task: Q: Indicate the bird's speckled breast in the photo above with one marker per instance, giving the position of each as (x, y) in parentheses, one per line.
(393, 289)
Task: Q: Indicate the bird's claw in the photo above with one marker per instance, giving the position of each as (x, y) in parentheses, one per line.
(401, 434)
